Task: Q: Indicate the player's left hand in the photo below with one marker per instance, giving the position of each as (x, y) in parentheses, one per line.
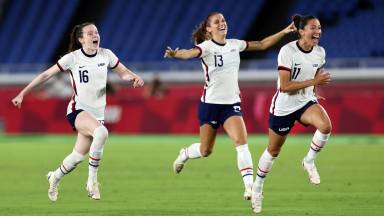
(137, 82)
(290, 28)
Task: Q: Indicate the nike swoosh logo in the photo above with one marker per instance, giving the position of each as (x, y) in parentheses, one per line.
(297, 64)
(81, 66)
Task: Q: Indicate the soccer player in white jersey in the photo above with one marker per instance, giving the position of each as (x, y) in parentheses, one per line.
(220, 101)
(300, 66)
(87, 64)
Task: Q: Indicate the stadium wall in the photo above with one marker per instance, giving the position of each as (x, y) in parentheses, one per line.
(353, 106)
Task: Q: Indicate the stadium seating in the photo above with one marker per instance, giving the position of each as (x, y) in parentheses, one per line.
(140, 30)
(31, 30)
(351, 28)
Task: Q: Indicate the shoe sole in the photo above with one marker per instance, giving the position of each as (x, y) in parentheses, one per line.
(177, 168)
(310, 181)
(48, 177)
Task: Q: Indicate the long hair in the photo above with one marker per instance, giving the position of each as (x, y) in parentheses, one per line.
(76, 33)
(200, 33)
(301, 21)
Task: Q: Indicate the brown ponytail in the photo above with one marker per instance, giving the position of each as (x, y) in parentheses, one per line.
(301, 21)
(76, 33)
(200, 34)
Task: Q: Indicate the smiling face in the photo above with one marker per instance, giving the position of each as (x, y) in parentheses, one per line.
(217, 26)
(90, 39)
(311, 32)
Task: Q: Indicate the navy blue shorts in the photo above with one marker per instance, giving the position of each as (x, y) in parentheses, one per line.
(216, 114)
(282, 125)
(71, 117)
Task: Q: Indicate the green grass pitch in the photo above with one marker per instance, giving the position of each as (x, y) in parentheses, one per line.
(137, 179)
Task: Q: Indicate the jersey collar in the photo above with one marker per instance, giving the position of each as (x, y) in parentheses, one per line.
(90, 56)
(220, 44)
(301, 49)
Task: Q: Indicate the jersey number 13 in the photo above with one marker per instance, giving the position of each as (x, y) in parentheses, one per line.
(218, 60)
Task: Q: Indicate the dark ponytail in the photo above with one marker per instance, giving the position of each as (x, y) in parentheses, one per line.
(200, 34)
(76, 33)
(301, 21)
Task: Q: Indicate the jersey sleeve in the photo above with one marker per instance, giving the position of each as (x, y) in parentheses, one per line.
(112, 58)
(323, 58)
(243, 45)
(284, 59)
(204, 49)
(65, 62)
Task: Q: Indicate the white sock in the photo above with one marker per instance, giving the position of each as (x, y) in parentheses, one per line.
(69, 164)
(100, 135)
(245, 165)
(193, 151)
(265, 165)
(318, 142)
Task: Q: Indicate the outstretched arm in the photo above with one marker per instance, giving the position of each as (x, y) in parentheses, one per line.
(270, 40)
(126, 74)
(41, 78)
(181, 54)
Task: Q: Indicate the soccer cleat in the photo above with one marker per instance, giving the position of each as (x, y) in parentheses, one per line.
(53, 190)
(313, 175)
(248, 194)
(256, 202)
(93, 190)
(179, 163)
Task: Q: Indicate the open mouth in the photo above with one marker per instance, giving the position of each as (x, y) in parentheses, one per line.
(222, 29)
(95, 42)
(316, 37)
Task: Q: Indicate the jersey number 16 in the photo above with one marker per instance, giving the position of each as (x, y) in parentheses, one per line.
(83, 76)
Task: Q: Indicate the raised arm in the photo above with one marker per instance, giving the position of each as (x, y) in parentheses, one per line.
(41, 78)
(287, 85)
(270, 40)
(126, 74)
(181, 54)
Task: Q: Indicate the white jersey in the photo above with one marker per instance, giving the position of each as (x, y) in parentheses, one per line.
(302, 65)
(221, 64)
(89, 78)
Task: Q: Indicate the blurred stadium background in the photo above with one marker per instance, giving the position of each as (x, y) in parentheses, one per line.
(35, 33)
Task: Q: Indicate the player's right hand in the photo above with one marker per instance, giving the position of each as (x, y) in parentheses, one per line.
(17, 101)
(170, 53)
(322, 78)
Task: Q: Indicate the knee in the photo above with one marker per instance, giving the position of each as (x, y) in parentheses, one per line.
(274, 151)
(240, 140)
(325, 127)
(101, 132)
(206, 152)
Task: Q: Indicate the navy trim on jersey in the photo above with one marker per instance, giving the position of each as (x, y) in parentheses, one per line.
(301, 49)
(274, 101)
(283, 68)
(220, 44)
(73, 82)
(90, 56)
(61, 68)
(206, 69)
(200, 51)
(117, 63)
